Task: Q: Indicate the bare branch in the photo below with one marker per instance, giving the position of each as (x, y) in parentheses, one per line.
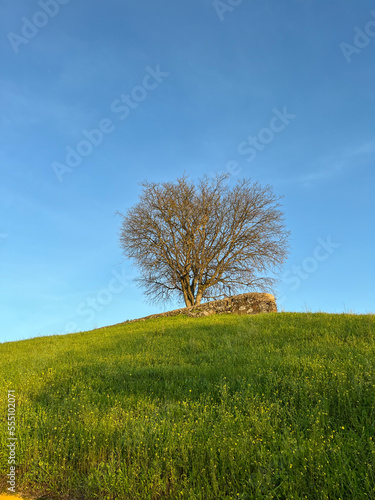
(205, 241)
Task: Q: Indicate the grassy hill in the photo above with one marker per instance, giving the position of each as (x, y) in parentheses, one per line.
(225, 407)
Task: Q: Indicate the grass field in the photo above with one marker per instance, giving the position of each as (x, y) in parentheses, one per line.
(226, 407)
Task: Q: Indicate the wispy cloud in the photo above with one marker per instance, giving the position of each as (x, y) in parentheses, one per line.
(335, 164)
(310, 179)
(22, 111)
(363, 149)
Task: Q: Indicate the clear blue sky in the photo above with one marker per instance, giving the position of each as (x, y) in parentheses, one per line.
(280, 92)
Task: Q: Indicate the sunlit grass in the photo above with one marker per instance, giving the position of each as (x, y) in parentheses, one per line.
(269, 406)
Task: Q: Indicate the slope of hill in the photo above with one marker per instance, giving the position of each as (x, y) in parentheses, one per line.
(224, 407)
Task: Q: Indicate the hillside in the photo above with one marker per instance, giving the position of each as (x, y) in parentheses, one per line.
(223, 407)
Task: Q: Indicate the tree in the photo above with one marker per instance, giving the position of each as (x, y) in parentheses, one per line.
(205, 240)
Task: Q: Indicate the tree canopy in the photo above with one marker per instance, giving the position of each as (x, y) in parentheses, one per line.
(205, 240)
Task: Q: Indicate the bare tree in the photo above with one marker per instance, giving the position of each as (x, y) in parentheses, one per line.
(204, 241)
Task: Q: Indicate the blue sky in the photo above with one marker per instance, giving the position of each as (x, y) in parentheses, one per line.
(279, 92)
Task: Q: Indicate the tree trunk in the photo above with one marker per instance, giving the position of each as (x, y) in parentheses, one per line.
(187, 299)
(199, 296)
(198, 299)
(188, 302)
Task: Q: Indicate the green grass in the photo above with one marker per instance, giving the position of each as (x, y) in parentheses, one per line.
(226, 407)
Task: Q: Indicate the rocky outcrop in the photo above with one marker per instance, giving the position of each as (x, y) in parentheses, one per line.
(246, 303)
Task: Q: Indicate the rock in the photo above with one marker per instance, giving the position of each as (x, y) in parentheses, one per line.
(246, 303)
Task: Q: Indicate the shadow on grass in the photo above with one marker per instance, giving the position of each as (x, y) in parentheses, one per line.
(166, 363)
